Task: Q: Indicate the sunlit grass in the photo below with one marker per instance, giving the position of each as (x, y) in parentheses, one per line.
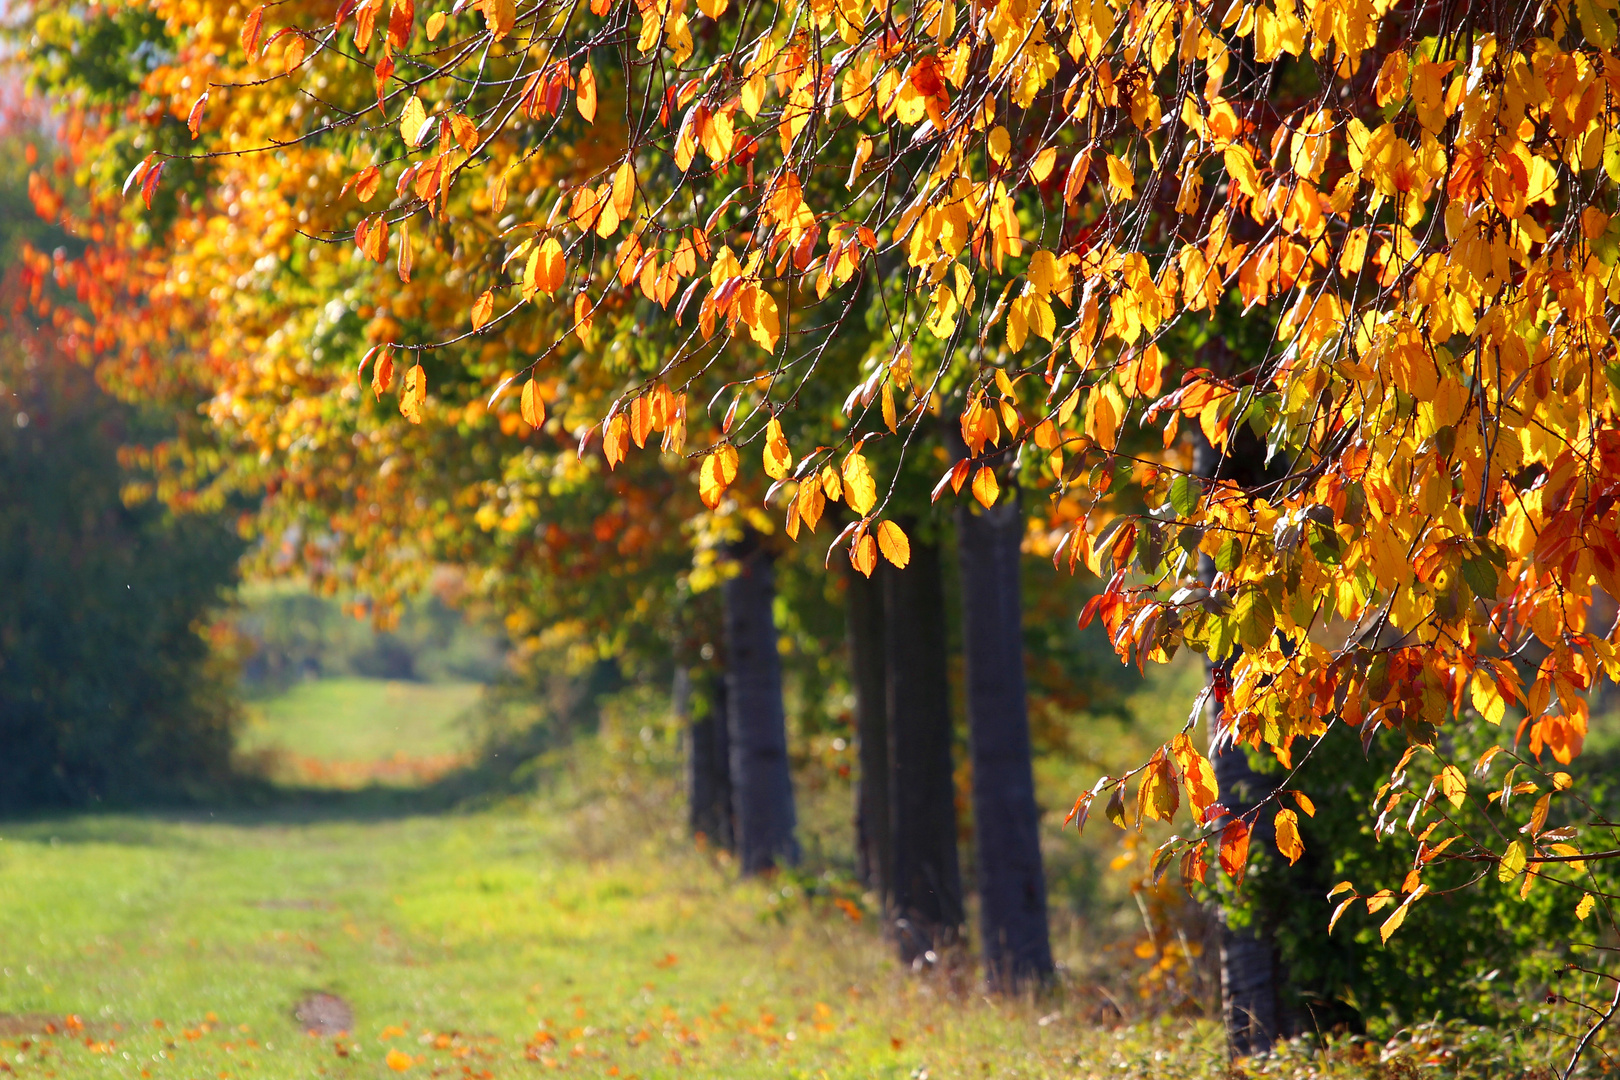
(577, 932)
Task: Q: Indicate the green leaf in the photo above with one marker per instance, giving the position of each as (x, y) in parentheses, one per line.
(1222, 636)
(1184, 495)
(1325, 543)
(1254, 617)
(1230, 555)
(1480, 574)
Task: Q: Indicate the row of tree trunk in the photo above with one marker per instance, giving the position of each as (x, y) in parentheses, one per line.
(905, 815)
(906, 812)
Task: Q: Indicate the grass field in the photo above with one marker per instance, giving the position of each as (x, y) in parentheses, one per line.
(347, 732)
(575, 932)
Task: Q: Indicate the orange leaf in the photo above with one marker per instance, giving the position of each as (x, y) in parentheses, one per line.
(483, 310)
(533, 409)
(366, 182)
(435, 23)
(414, 394)
(1196, 772)
(893, 543)
(863, 553)
(407, 258)
(382, 376)
(985, 488)
(585, 94)
(398, 1060)
(718, 471)
(616, 440)
(1235, 848)
(294, 55)
(582, 317)
(250, 30)
(550, 268)
(194, 120)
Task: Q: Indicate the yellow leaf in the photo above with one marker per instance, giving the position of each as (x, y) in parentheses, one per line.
(892, 540)
(585, 94)
(718, 471)
(1042, 166)
(1121, 182)
(483, 310)
(412, 121)
(766, 326)
(415, 392)
(1453, 785)
(1305, 803)
(531, 406)
(1158, 797)
(1240, 166)
(1398, 916)
(624, 189)
(713, 8)
(435, 24)
(860, 490)
(500, 15)
(1000, 144)
(1513, 860)
(831, 484)
(1288, 841)
(616, 440)
(497, 189)
(1584, 908)
(778, 458)
(985, 488)
(1487, 698)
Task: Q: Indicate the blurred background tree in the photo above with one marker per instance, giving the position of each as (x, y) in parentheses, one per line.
(109, 690)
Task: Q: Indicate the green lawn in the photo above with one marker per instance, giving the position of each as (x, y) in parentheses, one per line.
(346, 732)
(576, 931)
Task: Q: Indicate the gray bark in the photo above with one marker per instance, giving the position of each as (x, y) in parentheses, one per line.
(873, 840)
(926, 913)
(1012, 881)
(708, 759)
(761, 783)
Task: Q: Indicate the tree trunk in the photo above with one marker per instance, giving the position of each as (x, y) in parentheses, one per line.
(1252, 979)
(926, 913)
(762, 786)
(708, 758)
(1012, 883)
(1251, 971)
(873, 840)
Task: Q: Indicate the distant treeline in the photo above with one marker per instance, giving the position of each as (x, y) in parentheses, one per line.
(285, 634)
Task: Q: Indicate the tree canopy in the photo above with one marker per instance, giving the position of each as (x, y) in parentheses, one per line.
(1370, 244)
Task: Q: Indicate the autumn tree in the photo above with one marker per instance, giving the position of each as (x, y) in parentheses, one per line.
(1415, 202)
